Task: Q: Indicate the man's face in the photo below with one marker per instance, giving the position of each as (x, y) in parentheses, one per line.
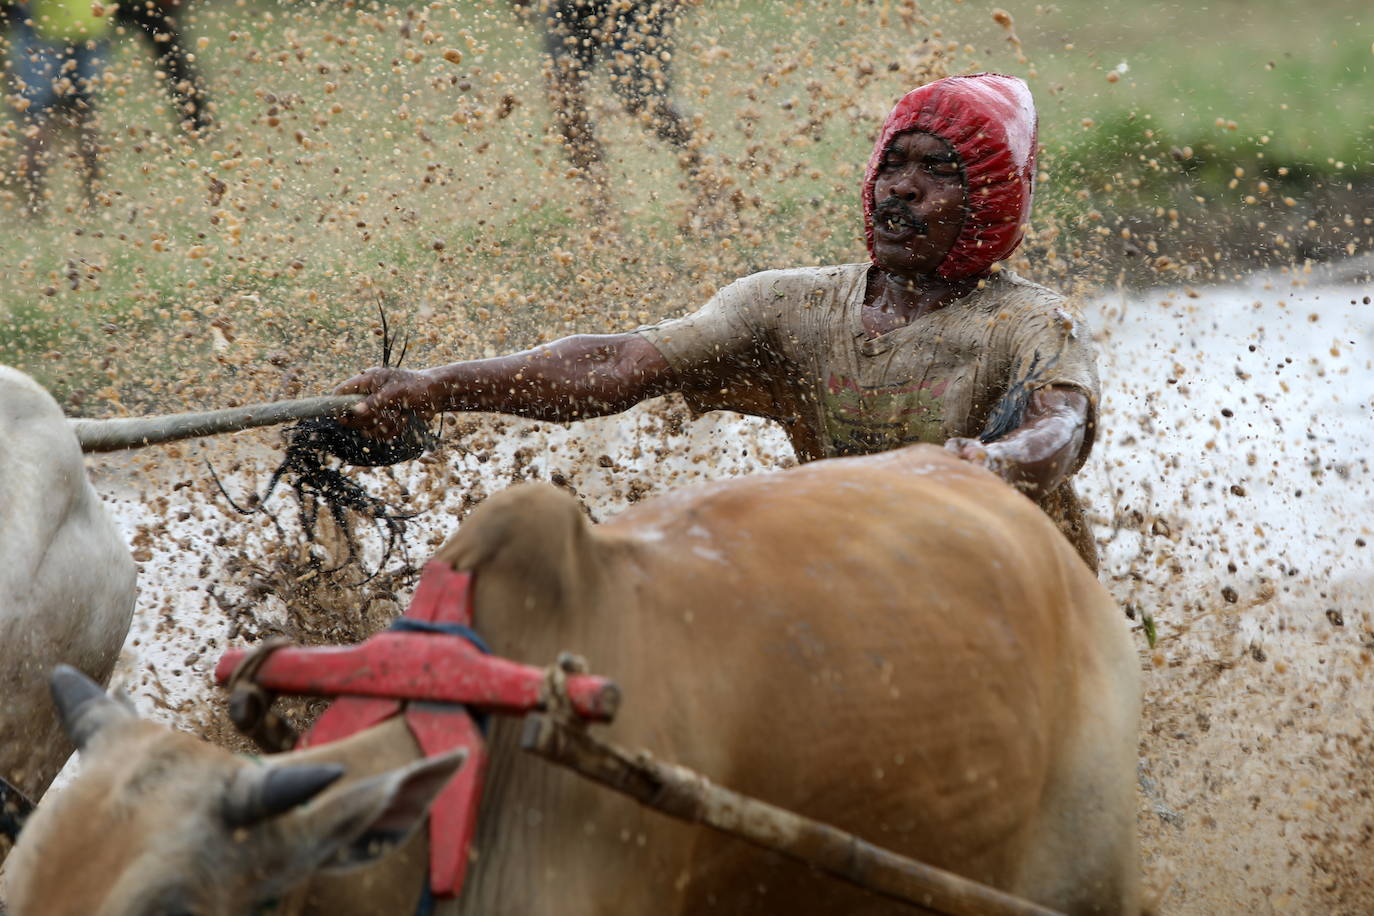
(918, 204)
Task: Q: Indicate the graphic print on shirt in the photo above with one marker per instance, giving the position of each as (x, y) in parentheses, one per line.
(1010, 411)
(860, 420)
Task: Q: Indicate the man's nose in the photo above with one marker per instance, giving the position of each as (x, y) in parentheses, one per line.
(907, 187)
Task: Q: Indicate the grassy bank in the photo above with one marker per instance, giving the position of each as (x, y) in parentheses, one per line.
(358, 161)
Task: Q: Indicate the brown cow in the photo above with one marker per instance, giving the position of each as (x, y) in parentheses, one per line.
(162, 824)
(898, 644)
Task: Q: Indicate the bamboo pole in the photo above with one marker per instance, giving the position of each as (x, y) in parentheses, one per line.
(689, 796)
(137, 432)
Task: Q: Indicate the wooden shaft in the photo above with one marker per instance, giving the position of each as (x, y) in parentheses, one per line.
(689, 796)
(136, 432)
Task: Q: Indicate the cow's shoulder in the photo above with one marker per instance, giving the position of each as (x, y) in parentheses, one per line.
(31, 419)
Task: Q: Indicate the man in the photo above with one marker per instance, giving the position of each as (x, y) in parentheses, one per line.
(636, 39)
(927, 342)
(57, 59)
(159, 22)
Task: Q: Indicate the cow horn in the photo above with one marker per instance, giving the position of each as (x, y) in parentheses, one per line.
(257, 793)
(82, 705)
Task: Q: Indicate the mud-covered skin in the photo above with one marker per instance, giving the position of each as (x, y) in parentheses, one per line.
(920, 194)
(1039, 453)
(587, 375)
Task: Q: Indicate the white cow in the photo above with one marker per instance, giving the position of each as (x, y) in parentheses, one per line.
(66, 578)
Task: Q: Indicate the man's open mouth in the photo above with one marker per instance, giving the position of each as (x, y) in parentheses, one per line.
(895, 217)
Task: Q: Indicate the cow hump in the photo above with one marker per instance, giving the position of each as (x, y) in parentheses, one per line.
(531, 544)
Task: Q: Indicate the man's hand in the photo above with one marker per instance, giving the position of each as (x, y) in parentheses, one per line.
(392, 394)
(1038, 455)
(984, 454)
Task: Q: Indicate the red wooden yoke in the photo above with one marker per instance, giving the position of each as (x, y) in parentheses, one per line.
(434, 680)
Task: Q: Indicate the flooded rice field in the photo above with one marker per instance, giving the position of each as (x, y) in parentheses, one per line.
(1231, 491)
(338, 159)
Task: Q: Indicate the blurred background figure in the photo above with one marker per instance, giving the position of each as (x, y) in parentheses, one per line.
(635, 38)
(158, 21)
(57, 55)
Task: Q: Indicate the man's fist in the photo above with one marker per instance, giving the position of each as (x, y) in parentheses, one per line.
(975, 452)
(392, 395)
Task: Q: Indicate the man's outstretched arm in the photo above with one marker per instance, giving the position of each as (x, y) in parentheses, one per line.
(1039, 454)
(570, 379)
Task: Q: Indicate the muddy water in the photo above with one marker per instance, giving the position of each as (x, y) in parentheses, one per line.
(1233, 497)
(1234, 484)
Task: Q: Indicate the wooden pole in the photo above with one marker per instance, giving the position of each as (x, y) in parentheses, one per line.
(137, 432)
(689, 796)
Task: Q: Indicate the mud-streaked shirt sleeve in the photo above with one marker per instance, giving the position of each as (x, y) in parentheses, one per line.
(719, 331)
(760, 345)
(724, 353)
(1052, 345)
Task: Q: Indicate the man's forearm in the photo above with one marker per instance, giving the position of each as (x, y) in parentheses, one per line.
(1038, 456)
(570, 379)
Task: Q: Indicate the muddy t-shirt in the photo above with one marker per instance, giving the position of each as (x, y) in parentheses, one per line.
(790, 345)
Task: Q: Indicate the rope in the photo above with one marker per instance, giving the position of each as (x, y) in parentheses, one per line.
(554, 692)
(250, 706)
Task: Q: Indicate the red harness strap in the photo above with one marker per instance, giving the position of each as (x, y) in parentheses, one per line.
(442, 596)
(433, 679)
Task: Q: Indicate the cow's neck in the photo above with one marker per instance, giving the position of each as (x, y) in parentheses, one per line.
(545, 836)
(509, 853)
(392, 884)
(548, 842)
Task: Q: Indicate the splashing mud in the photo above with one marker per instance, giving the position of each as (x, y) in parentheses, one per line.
(359, 150)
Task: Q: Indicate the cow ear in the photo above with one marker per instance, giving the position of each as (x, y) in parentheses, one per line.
(83, 706)
(364, 821)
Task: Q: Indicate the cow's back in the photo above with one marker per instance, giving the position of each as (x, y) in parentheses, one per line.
(896, 644)
(66, 583)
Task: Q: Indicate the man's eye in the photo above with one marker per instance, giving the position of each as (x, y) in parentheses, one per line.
(943, 167)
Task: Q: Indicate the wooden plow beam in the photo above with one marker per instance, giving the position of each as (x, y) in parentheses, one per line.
(689, 796)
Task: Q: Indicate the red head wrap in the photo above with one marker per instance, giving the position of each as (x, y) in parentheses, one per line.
(989, 120)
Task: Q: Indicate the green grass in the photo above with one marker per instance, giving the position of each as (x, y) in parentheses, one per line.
(358, 165)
